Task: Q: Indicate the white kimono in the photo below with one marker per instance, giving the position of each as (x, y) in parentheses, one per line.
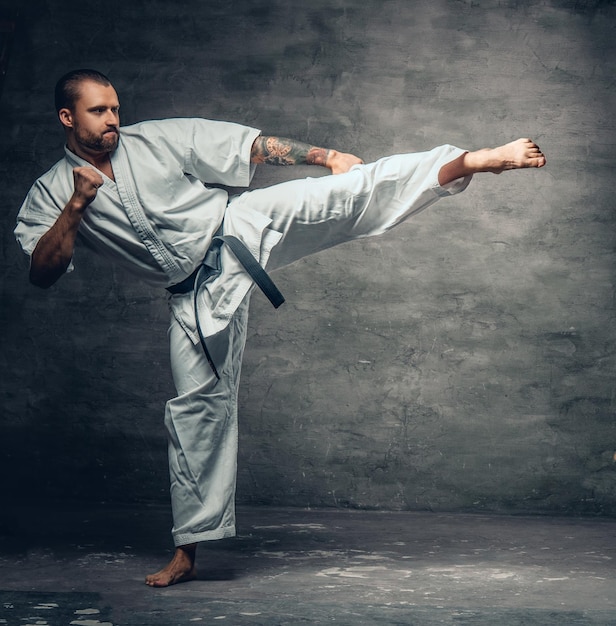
(158, 219)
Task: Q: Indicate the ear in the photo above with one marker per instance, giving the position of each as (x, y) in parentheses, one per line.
(66, 118)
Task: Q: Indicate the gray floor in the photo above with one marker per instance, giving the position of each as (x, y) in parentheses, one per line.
(290, 566)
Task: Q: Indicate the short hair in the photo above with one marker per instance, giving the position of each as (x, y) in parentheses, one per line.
(67, 88)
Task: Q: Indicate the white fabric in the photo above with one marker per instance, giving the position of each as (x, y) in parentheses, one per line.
(202, 430)
(158, 219)
(309, 215)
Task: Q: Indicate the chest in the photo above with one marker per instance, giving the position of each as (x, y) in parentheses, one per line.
(107, 169)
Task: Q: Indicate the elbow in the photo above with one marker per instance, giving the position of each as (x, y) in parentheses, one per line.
(39, 281)
(44, 272)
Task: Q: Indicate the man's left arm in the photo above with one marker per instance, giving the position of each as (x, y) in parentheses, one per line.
(282, 151)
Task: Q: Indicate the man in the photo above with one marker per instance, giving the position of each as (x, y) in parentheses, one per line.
(137, 195)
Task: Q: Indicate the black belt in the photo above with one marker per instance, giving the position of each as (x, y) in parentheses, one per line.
(211, 266)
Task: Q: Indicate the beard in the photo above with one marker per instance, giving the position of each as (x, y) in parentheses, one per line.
(105, 142)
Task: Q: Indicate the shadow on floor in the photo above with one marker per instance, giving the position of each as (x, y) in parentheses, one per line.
(292, 566)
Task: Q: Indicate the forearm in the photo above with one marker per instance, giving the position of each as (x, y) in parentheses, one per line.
(54, 251)
(282, 151)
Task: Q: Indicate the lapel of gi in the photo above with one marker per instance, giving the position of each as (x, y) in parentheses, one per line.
(136, 214)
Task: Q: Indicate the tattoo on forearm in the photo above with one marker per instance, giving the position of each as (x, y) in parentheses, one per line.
(281, 151)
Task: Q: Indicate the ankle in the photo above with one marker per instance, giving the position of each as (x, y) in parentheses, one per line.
(478, 161)
(187, 552)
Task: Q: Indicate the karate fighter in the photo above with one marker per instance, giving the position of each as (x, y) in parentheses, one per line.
(140, 196)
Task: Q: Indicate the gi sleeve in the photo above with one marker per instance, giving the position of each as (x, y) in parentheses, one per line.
(212, 151)
(37, 215)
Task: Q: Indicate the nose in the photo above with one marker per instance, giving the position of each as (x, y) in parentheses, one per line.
(112, 118)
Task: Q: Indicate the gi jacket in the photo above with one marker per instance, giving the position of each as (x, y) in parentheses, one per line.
(159, 215)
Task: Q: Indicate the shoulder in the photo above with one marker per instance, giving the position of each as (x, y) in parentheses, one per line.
(47, 196)
(158, 134)
(153, 128)
(55, 181)
(180, 127)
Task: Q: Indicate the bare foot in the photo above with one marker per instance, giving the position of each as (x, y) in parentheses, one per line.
(516, 155)
(180, 569)
(512, 156)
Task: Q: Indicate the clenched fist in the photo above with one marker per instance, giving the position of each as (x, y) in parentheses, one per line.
(87, 181)
(341, 162)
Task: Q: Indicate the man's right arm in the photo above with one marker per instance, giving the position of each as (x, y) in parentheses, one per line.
(54, 250)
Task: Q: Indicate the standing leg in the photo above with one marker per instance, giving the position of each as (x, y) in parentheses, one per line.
(202, 428)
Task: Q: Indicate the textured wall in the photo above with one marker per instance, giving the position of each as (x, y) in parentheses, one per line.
(465, 361)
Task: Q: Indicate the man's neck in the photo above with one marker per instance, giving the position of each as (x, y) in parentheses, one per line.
(100, 160)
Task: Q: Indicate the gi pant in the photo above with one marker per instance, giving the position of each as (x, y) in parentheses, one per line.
(312, 214)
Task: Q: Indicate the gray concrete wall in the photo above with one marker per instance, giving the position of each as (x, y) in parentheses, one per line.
(465, 361)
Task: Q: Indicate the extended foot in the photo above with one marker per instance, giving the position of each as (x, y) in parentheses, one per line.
(516, 155)
(180, 569)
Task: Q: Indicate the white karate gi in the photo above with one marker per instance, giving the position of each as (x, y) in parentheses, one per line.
(158, 219)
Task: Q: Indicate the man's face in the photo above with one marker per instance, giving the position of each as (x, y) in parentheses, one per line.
(94, 119)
